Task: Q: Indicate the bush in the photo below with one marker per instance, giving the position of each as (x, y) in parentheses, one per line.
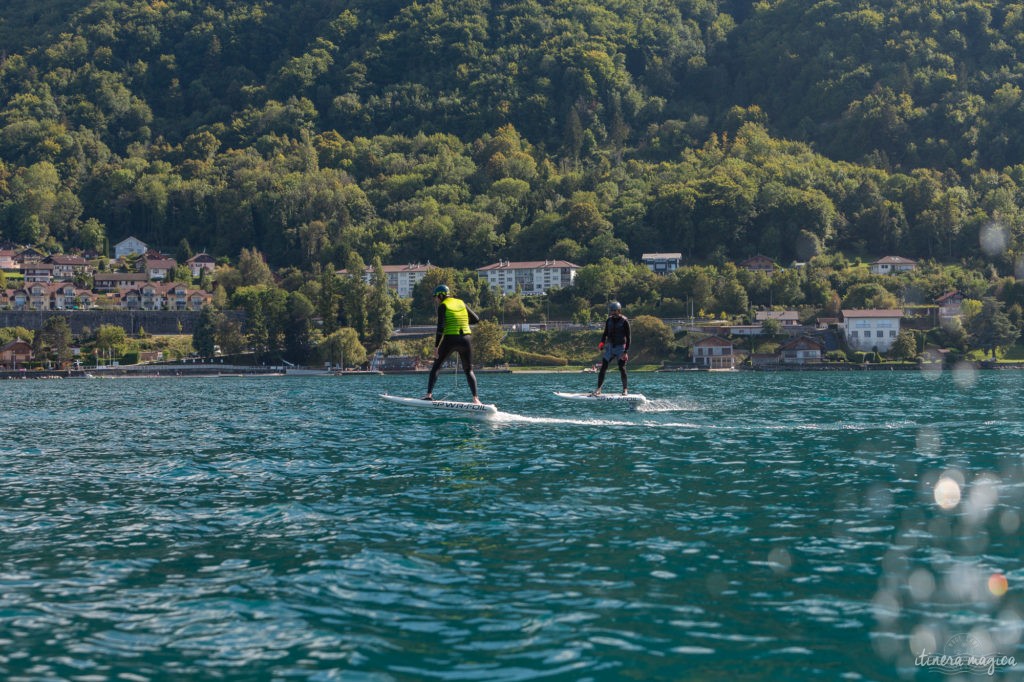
(130, 358)
(525, 357)
(835, 356)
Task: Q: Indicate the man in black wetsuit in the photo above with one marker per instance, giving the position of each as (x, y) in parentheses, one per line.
(453, 336)
(615, 344)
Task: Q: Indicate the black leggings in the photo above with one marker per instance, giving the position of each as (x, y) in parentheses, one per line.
(454, 344)
(622, 373)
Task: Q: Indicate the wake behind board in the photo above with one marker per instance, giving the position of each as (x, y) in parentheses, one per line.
(468, 409)
(628, 398)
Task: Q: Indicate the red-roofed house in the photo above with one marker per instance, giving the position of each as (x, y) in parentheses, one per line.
(15, 352)
(8, 260)
(801, 351)
(949, 305)
(714, 352)
(158, 268)
(65, 266)
(200, 262)
(759, 263)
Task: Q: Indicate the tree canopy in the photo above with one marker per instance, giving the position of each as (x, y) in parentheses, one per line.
(461, 133)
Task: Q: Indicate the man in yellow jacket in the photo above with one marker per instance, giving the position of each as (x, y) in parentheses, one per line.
(453, 336)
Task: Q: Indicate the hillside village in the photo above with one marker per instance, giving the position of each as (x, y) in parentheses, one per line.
(140, 278)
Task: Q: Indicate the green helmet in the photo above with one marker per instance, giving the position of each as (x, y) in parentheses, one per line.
(441, 290)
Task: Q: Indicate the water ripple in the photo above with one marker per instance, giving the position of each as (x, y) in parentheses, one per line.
(757, 526)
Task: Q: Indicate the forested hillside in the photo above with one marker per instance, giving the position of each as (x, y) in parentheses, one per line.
(465, 131)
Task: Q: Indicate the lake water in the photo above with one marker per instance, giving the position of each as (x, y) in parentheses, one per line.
(791, 526)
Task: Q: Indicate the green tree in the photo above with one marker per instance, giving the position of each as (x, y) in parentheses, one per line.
(487, 338)
(327, 301)
(650, 337)
(8, 334)
(253, 268)
(353, 294)
(771, 327)
(905, 345)
(342, 348)
(57, 335)
(111, 338)
(265, 308)
(298, 332)
(992, 329)
(868, 295)
(380, 309)
(204, 336)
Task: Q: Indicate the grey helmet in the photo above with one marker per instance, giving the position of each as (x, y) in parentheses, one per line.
(613, 306)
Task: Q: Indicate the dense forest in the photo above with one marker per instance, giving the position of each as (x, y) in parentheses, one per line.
(465, 131)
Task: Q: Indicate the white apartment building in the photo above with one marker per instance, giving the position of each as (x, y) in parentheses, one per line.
(868, 330)
(531, 278)
(401, 278)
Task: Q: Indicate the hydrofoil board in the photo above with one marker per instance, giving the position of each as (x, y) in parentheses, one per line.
(469, 409)
(629, 397)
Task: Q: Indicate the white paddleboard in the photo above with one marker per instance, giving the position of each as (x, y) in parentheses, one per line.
(469, 409)
(629, 397)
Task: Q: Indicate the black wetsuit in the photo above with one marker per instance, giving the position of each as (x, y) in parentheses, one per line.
(616, 343)
(453, 343)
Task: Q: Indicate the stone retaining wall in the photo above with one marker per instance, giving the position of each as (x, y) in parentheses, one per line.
(132, 321)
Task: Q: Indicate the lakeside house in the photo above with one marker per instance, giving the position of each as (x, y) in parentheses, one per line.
(129, 247)
(8, 261)
(890, 265)
(759, 263)
(530, 278)
(950, 304)
(15, 352)
(65, 266)
(29, 255)
(662, 263)
(37, 271)
(787, 318)
(200, 263)
(157, 266)
(113, 281)
(801, 350)
(164, 296)
(714, 352)
(869, 330)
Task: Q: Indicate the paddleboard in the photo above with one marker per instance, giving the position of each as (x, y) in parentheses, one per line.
(629, 397)
(469, 409)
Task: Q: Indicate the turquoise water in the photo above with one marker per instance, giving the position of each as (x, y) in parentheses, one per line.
(741, 526)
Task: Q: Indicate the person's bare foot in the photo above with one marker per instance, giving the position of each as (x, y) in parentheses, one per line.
(476, 401)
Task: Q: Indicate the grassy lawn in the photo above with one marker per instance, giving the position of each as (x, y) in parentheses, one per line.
(1014, 354)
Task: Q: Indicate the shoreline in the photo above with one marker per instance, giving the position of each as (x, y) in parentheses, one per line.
(171, 371)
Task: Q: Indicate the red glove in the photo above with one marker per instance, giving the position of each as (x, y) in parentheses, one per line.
(600, 345)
